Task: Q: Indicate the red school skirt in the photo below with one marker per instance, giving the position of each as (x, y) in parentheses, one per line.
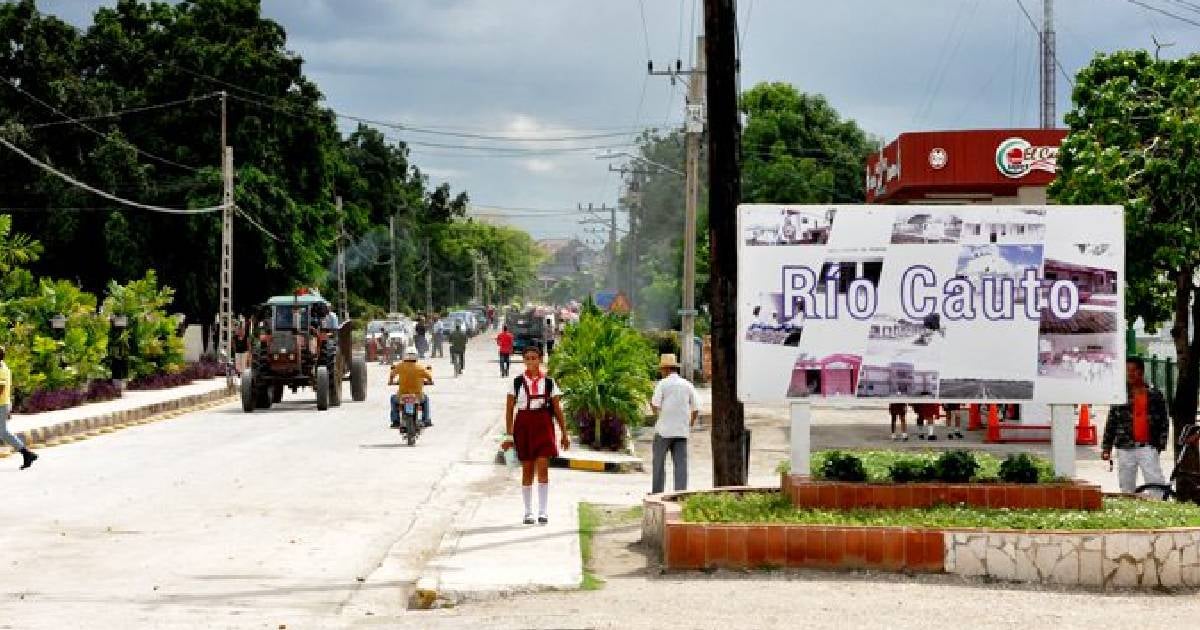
(533, 434)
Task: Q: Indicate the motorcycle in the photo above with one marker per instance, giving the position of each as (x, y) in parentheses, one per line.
(410, 423)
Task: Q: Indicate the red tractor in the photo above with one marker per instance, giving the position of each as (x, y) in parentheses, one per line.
(301, 344)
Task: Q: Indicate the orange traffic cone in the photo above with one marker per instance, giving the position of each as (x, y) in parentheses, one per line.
(993, 426)
(974, 417)
(1085, 431)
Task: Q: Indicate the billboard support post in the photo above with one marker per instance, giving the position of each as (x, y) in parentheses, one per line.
(1062, 440)
(801, 438)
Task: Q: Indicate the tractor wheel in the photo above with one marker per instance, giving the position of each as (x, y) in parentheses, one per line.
(262, 398)
(321, 387)
(248, 391)
(277, 393)
(358, 380)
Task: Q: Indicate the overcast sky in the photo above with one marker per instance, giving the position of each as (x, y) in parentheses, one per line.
(561, 68)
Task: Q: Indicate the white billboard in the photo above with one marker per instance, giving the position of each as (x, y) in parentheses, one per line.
(931, 303)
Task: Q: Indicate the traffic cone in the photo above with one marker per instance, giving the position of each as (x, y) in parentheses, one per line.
(993, 426)
(974, 417)
(1085, 431)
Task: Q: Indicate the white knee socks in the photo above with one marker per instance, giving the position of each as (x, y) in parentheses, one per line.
(527, 496)
(543, 498)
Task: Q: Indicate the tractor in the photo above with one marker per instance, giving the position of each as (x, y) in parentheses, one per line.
(299, 344)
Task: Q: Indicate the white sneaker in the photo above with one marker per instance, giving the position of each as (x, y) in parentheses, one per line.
(895, 437)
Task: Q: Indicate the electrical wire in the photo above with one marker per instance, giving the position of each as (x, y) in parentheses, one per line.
(1033, 24)
(125, 112)
(645, 30)
(1190, 6)
(100, 193)
(54, 109)
(1164, 12)
(245, 215)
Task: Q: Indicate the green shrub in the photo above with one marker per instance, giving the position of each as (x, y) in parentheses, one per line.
(843, 467)
(150, 338)
(1019, 468)
(912, 470)
(957, 466)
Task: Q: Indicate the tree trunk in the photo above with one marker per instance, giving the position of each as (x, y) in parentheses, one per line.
(720, 31)
(1187, 307)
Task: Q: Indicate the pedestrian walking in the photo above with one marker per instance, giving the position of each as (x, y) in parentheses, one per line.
(504, 344)
(926, 418)
(6, 388)
(439, 338)
(533, 407)
(419, 339)
(954, 414)
(677, 406)
(896, 411)
(458, 349)
(1139, 429)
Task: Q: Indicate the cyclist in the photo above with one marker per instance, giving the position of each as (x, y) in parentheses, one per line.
(412, 378)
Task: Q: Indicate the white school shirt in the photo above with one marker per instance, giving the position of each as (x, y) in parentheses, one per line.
(676, 399)
(536, 388)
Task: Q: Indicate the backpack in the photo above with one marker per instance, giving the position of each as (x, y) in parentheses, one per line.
(519, 382)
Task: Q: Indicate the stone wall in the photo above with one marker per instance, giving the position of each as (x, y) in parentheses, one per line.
(1167, 558)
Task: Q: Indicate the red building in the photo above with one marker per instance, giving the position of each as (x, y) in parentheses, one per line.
(989, 166)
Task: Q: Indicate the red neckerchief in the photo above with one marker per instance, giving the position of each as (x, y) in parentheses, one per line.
(533, 383)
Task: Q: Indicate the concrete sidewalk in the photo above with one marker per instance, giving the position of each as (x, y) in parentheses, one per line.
(133, 407)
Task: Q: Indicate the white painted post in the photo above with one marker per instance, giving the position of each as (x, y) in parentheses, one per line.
(1062, 440)
(801, 421)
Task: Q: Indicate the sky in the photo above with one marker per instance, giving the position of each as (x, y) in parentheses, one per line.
(548, 70)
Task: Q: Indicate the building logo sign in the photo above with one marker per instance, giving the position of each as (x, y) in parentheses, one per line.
(1016, 158)
(938, 159)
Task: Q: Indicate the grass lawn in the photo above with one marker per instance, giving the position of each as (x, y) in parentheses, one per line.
(773, 507)
(877, 463)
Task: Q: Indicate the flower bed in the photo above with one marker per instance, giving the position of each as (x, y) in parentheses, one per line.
(1100, 549)
(837, 495)
(53, 400)
(195, 371)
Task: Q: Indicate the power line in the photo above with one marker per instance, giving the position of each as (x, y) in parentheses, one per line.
(1164, 12)
(96, 191)
(645, 30)
(1190, 6)
(245, 215)
(125, 112)
(54, 109)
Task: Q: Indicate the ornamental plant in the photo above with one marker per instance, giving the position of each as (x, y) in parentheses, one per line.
(604, 368)
(956, 466)
(840, 466)
(912, 470)
(149, 340)
(1019, 468)
(42, 358)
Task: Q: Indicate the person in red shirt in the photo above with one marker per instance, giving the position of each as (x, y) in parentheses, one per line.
(1139, 430)
(504, 342)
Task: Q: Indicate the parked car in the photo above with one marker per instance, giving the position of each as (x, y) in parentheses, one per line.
(467, 319)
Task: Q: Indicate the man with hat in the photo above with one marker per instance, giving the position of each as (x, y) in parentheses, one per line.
(6, 387)
(677, 406)
(411, 378)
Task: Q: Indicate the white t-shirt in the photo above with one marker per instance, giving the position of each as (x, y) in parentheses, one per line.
(676, 399)
(537, 388)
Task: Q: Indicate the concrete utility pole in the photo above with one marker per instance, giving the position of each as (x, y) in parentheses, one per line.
(611, 225)
(729, 438)
(1049, 54)
(224, 347)
(343, 292)
(428, 280)
(394, 290)
(693, 130)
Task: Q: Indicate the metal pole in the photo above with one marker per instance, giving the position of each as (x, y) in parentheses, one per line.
(394, 292)
(343, 293)
(428, 280)
(225, 314)
(694, 128)
(1049, 52)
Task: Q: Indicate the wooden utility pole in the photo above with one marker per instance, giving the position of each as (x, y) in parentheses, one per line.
(724, 193)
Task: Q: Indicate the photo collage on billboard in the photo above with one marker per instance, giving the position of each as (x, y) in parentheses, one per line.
(910, 303)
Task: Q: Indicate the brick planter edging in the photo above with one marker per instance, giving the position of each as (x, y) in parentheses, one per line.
(82, 428)
(838, 495)
(1106, 559)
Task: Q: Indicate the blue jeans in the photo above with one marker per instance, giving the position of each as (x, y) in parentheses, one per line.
(5, 436)
(425, 414)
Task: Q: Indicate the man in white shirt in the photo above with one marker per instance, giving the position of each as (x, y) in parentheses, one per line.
(677, 406)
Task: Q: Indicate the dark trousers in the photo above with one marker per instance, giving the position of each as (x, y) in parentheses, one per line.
(505, 363)
(678, 449)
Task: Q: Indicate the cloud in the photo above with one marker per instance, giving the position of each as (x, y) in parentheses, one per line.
(538, 165)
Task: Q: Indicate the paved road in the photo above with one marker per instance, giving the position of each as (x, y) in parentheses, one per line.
(222, 519)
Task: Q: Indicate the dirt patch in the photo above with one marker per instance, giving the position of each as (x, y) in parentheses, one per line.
(616, 549)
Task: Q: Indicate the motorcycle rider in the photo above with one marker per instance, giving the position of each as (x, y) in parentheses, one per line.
(411, 378)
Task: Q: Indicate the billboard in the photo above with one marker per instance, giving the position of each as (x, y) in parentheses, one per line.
(932, 303)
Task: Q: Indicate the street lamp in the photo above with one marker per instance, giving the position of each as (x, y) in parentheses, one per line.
(119, 350)
(58, 323)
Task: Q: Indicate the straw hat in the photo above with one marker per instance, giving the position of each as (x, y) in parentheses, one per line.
(668, 361)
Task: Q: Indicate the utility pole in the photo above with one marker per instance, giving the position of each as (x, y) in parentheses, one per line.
(343, 292)
(693, 130)
(394, 290)
(611, 224)
(428, 280)
(724, 192)
(1049, 53)
(224, 349)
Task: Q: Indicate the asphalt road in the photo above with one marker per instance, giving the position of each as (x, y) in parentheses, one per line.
(282, 518)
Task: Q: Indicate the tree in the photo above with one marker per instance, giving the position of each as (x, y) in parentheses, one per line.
(1135, 141)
